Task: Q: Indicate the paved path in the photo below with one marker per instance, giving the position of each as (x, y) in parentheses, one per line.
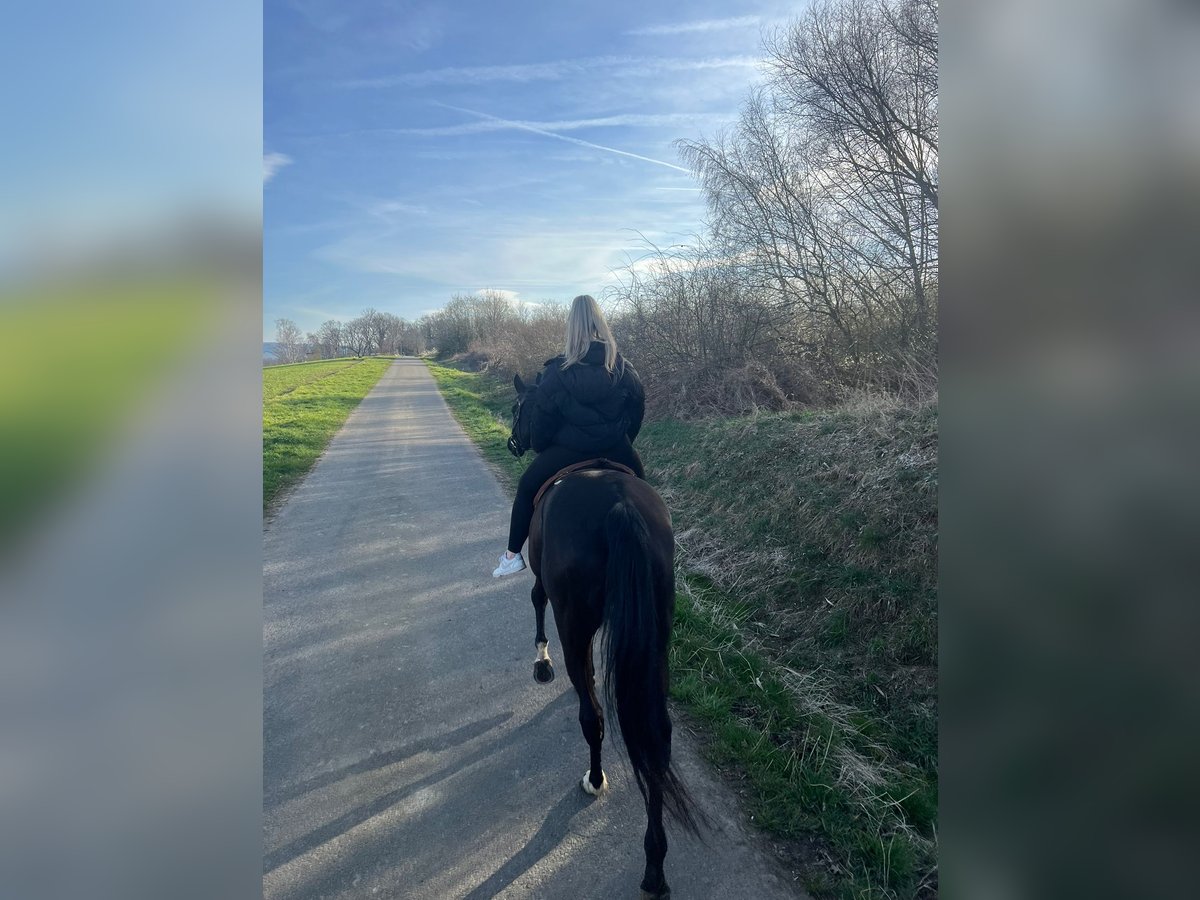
(408, 751)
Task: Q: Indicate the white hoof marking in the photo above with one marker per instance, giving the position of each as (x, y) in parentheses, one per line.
(587, 783)
(543, 655)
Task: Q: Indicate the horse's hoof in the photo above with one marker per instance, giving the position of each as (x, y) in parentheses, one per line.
(543, 671)
(665, 895)
(586, 784)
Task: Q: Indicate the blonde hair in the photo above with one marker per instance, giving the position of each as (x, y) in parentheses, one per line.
(585, 323)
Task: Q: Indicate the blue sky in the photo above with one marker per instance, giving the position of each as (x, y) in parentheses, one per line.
(415, 150)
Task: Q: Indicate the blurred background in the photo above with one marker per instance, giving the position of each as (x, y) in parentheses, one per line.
(130, 470)
(1070, 386)
(130, 482)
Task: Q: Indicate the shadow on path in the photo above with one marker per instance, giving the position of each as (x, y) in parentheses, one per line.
(545, 839)
(344, 823)
(432, 744)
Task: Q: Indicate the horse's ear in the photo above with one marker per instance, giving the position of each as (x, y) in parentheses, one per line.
(518, 384)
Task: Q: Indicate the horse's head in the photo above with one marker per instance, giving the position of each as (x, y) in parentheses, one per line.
(520, 440)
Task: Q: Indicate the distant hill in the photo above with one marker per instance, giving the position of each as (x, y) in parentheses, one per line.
(270, 351)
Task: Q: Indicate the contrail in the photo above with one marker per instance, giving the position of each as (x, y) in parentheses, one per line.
(706, 25)
(562, 137)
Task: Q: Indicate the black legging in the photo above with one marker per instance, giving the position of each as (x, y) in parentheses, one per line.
(544, 465)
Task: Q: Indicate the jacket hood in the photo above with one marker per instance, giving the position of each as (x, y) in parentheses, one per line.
(595, 354)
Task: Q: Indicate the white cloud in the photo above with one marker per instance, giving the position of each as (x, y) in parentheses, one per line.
(510, 296)
(389, 209)
(552, 71)
(703, 25)
(272, 163)
(530, 260)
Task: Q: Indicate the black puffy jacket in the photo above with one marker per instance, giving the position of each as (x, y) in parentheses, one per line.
(585, 407)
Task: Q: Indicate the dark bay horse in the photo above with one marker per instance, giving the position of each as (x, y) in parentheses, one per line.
(602, 550)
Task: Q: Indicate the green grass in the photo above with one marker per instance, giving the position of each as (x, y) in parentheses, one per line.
(303, 407)
(78, 362)
(797, 750)
(483, 407)
(805, 635)
(283, 379)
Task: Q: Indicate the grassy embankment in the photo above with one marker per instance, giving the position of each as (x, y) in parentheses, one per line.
(805, 636)
(303, 407)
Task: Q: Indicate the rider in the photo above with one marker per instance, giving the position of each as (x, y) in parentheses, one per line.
(589, 403)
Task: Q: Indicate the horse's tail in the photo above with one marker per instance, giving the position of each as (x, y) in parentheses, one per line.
(637, 632)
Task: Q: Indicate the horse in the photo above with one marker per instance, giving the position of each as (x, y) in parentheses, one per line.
(601, 549)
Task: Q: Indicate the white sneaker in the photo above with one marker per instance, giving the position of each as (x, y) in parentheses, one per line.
(509, 566)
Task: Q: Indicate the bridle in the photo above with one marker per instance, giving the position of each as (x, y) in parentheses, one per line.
(515, 447)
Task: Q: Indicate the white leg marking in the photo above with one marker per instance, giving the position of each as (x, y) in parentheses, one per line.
(542, 654)
(587, 783)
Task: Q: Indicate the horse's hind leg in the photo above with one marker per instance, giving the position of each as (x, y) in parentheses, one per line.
(591, 717)
(543, 669)
(654, 882)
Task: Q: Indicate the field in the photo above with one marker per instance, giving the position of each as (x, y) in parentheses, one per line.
(805, 639)
(303, 407)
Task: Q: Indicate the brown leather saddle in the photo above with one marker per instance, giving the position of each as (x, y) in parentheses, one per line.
(599, 463)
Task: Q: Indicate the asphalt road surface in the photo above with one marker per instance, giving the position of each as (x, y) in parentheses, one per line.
(408, 751)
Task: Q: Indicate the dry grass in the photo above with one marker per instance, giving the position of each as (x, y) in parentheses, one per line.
(813, 539)
(700, 392)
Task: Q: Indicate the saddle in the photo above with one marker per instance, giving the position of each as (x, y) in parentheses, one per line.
(599, 463)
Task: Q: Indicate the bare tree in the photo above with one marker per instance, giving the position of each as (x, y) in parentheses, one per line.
(377, 326)
(699, 331)
(289, 338)
(359, 335)
(452, 328)
(522, 339)
(862, 74)
(410, 339)
(825, 193)
(426, 326)
(330, 337)
(491, 314)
